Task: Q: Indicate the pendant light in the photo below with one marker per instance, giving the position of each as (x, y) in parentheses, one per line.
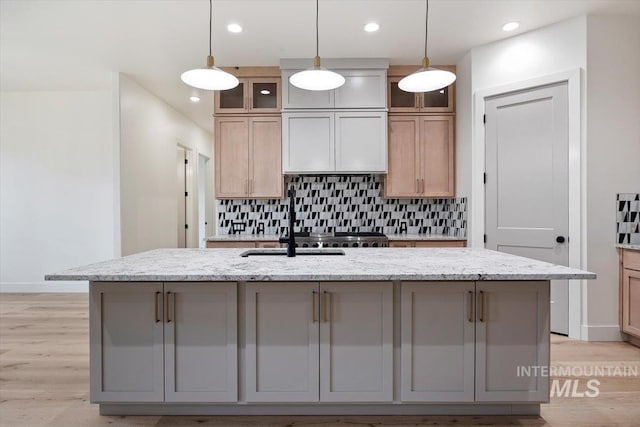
(317, 78)
(210, 78)
(426, 78)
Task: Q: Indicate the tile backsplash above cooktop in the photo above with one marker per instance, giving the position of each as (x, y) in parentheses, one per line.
(345, 203)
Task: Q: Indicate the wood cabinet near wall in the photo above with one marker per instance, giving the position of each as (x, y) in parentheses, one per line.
(248, 157)
(254, 95)
(421, 156)
(630, 294)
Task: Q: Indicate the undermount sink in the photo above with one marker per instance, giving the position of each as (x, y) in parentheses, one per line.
(283, 252)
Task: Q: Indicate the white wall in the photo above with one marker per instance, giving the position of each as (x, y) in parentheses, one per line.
(549, 50)
(464, 131)
(56, 186)
(150, 131)
(613, 155)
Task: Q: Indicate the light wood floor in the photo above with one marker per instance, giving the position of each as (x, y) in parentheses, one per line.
(44, 379)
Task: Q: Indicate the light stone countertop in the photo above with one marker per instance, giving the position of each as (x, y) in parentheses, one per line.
(274, 237)
(243, 238)
(628, 246)
(358, 264)
(425, 237)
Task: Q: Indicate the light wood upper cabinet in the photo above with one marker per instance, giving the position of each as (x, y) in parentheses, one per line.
(253, 95)
(421, 156)
(435, 102)
(248, 157)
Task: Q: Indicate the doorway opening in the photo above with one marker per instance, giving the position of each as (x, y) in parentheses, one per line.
(204, 200)
(183, 167)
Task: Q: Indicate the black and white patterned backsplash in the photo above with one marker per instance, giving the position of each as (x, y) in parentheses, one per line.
(628, 218)
(344, 203)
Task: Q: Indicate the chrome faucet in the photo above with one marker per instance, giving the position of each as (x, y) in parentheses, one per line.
(291, 246)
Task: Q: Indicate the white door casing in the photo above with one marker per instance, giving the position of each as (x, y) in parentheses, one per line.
(527, 176)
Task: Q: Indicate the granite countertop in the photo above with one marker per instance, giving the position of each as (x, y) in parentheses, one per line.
(357, 264)
(628, 246)
(425, 237)
(274, 237)
(243, 238)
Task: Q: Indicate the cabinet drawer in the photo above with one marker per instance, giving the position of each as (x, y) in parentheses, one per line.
(247, 244)
(631, 259)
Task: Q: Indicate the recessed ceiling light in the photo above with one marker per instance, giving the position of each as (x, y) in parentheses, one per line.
(510, 26)
(194, 98)
(265, 92)
(371, 27)
(234, 28)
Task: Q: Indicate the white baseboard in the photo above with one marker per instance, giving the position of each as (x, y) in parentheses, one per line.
(43, 287)
(601, 333)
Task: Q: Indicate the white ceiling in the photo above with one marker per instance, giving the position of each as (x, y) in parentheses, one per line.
(75, 45)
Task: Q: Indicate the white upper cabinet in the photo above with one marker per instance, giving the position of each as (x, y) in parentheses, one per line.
(361, 141)
(362, 89)
(296, 98)
(308, 143)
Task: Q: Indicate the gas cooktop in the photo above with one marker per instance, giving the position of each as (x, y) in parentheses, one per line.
(361, 239)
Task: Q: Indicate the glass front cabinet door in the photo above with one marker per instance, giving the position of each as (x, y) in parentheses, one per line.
(252, 95)
(437, 101)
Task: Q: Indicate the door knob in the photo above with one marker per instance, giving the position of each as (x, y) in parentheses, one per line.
(560, 239)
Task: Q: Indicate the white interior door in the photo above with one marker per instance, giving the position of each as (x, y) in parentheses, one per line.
(527, 209)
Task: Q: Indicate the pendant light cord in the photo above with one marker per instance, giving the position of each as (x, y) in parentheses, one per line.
(317, 37)
(210, 19)
(426, 28)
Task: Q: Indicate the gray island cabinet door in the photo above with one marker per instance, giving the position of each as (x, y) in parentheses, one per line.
(512, 341)
(356, 342)
(126, 342)
(200, 336)
(282, 342)
(437, 344)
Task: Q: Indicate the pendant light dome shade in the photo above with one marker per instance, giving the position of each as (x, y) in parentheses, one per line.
(317, 78)
(210, 77)
(426, 78)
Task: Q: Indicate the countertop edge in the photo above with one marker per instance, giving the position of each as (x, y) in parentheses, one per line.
(311, 278)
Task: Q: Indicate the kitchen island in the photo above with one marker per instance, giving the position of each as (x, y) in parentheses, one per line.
(375, 331)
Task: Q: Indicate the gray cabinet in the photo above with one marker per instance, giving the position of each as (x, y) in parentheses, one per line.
(437, 342)
(512, 332)
(200, 342)
(282, 342)
(126, 355)
(356, 342)
(456, 333)
(307, 342)
(175, 342)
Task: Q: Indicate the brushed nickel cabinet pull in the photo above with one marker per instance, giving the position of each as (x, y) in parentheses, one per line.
(325, 303)
(157, 316)
(470, 317)
(417, 185)
(422, 185)
(314, 314)
(167, 307)
(481, 309)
